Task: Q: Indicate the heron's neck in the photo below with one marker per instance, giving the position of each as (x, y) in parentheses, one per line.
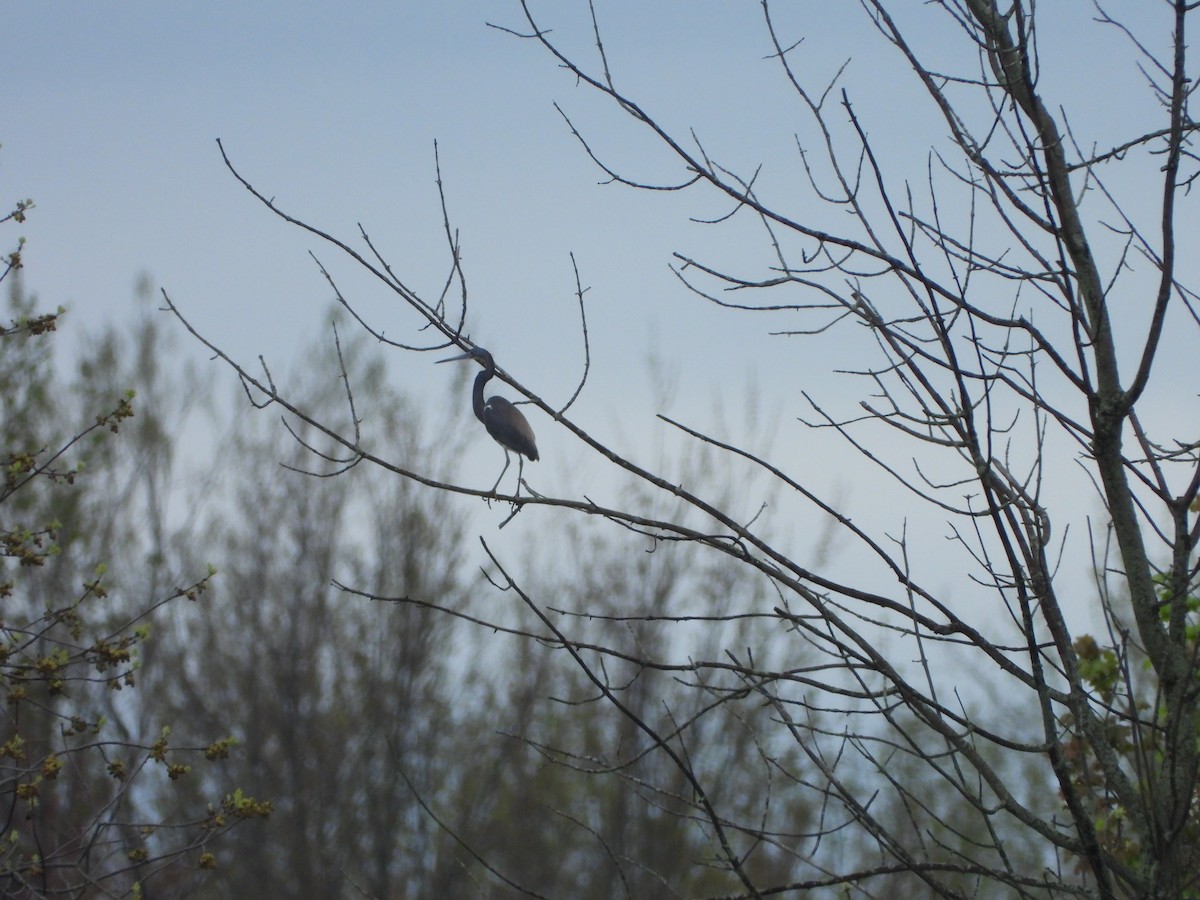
(477, 395)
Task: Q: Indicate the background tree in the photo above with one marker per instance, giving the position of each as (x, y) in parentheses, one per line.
(80, 766)
(333, 703)
(1016, 290)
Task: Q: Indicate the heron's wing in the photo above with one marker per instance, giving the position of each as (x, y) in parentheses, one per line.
(509, 427)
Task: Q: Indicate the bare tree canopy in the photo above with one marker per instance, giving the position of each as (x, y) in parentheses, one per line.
(1018, 289)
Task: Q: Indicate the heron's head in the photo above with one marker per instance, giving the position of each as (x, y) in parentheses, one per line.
(477, 353)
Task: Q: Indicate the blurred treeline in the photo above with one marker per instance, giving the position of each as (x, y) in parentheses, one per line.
(404, 751)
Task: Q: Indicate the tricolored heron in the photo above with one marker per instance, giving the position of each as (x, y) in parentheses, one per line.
(502, 420)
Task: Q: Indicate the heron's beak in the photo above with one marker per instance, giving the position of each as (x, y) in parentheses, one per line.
(466, 355)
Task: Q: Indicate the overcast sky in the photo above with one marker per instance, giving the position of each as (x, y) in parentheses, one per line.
(111, 129)
(112, 111)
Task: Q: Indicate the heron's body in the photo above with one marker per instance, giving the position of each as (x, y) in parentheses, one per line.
(503, 421)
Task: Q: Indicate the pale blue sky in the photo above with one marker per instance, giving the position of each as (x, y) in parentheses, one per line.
(112, 132)
(112, 110)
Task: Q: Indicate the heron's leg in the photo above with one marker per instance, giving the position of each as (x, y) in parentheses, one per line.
(520, 472)
(502, 471)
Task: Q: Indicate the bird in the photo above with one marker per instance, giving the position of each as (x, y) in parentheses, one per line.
(503, 421)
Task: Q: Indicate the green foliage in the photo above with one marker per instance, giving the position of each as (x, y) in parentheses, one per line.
(84, 801)
(1135, 727)
(13, 262)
